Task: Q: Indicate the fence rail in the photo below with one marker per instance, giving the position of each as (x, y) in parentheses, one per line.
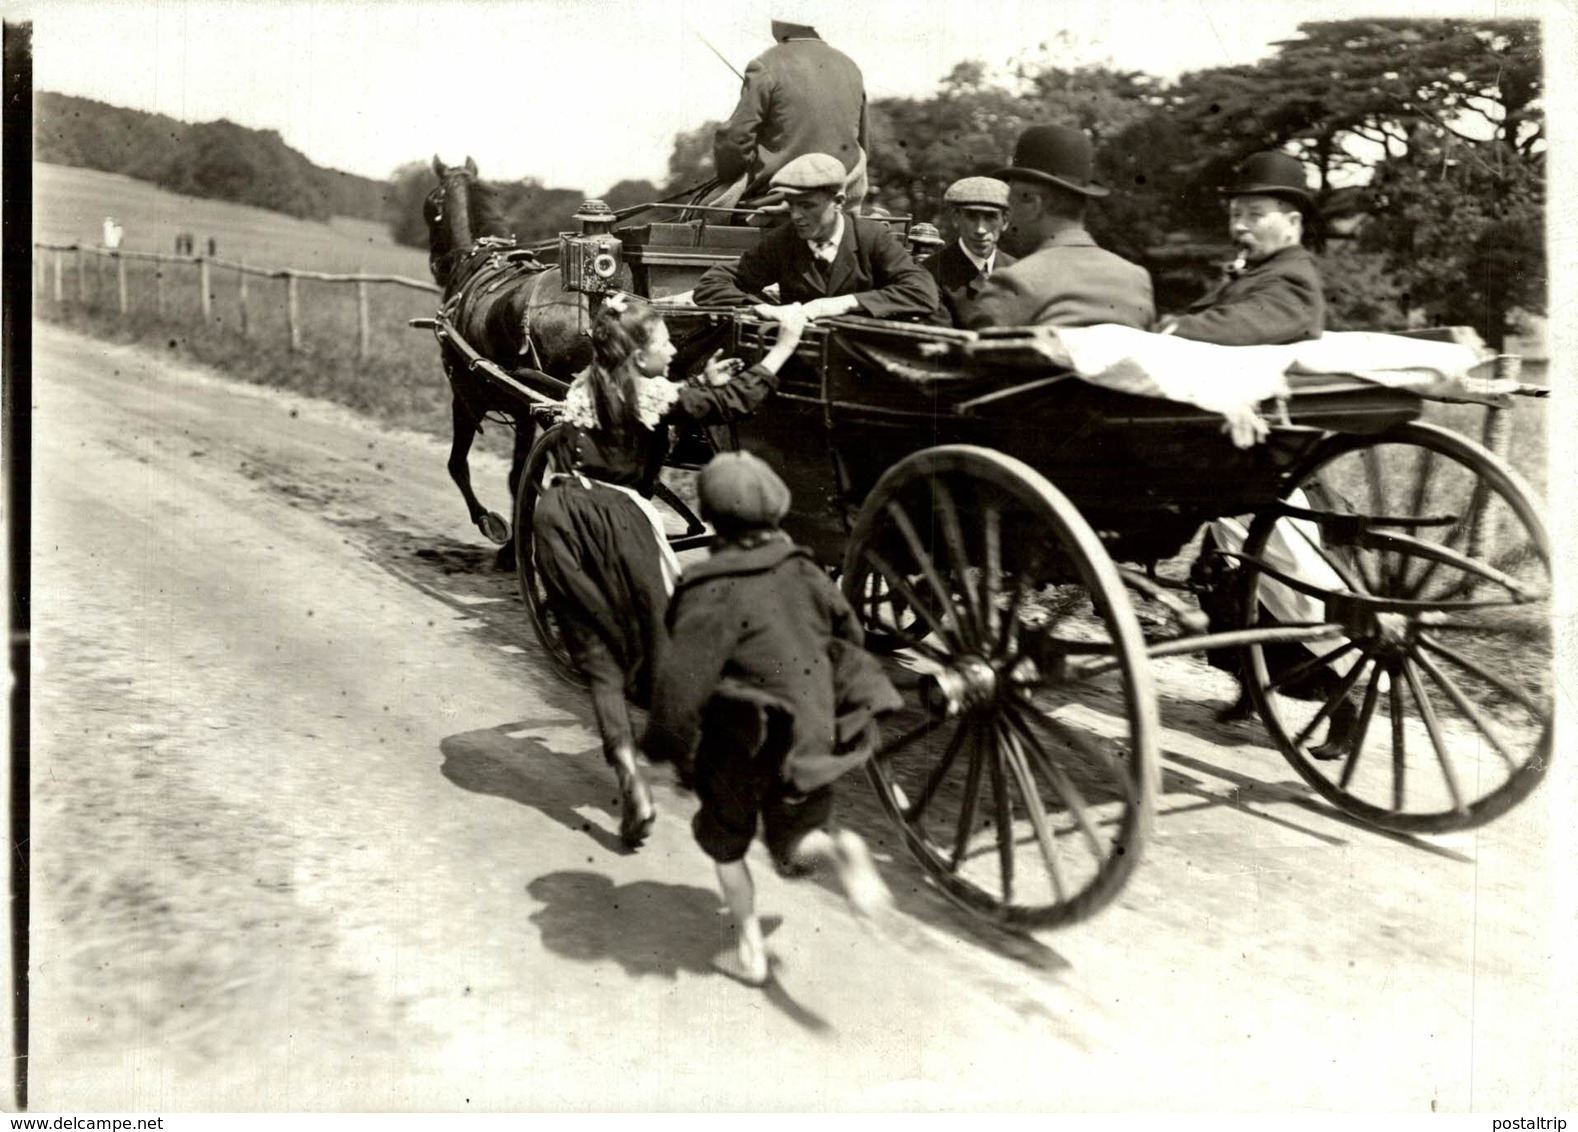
(206, 266)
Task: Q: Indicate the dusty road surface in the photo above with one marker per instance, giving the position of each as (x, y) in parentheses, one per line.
(316, 828)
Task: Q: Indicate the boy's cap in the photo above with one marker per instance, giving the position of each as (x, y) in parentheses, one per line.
(808, 173)
(742, 489)
(977, 192)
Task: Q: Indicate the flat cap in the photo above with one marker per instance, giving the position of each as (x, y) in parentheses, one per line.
(925, 234)
(977, 192)
(809, 172)
(741, 490)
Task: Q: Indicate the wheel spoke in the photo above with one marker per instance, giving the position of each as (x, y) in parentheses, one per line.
(1361, 730)
(897, 745)
(1305, 667)
(1061, 782)
(1008, 638)
(1330, 705)
(972, 789)
(928, 568)
(901, 587)
(1377, 492)
(1090, 749)
(1427, 712)
(992, 536)
(953, 535)
(1399, 752)
(1506, 687)
(1004, 819)
(918, 807)
(1037, 812)
(1466, 706)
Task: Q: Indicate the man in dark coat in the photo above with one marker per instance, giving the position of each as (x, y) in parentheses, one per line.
(824, 258)
(979, 209)
(800, 96)
(1271, 295)
(1067, 280)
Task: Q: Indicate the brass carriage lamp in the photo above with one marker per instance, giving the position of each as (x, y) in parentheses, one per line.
(590, 260)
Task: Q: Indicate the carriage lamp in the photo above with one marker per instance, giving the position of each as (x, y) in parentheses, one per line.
(590, 260)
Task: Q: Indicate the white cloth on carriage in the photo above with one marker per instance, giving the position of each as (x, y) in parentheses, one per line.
(1234, 380)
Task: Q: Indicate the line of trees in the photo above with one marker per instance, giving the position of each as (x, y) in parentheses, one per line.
(1427, 138)
(219, 160)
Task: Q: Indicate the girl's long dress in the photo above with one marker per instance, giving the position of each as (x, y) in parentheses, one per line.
(596, 548)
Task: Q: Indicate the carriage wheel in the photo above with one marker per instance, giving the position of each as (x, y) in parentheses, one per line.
(1026, 791)
(546, 457)
(1459, 665)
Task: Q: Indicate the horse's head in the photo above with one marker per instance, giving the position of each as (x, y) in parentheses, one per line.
(458, 211)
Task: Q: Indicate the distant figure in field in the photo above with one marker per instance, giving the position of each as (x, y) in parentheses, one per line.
(112, 233)
(213, 246)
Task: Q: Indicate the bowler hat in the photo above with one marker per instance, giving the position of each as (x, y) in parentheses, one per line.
(977, 192)
(737, 489)
(1271, 174)
(809, 172)
(1054, 155)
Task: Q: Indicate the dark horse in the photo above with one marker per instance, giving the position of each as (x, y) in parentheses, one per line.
(510, 307)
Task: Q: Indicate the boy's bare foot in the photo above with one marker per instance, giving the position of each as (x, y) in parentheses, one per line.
(744, 964)
(863, 886)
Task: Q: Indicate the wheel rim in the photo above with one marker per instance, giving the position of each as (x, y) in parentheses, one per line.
(1026, 791)
(545, 459)
(1450, 689)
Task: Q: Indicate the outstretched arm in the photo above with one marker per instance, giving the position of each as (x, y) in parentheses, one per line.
(734, 145)
(902, 286)
(740, 395)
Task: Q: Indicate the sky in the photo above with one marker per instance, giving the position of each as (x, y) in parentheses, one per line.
(583, 93)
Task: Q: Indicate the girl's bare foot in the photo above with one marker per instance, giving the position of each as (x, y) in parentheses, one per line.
(747, 963)
(863, 886)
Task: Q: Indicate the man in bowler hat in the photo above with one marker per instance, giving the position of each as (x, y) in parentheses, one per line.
(1271, 295)
(825, 259)
(800, 96)
(978, 207)
(1067, 280)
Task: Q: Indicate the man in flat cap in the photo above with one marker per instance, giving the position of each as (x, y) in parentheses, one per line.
(1272, 293)
(824, 259)
(1067, 280)
(979, 209)
(800, 96)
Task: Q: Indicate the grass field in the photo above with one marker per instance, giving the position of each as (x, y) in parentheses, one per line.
(69, 206)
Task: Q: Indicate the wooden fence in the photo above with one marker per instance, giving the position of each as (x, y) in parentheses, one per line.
(49, 266)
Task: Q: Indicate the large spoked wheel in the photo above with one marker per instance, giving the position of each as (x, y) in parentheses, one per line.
(1435, 692)
(1023, 769)
(547, 457)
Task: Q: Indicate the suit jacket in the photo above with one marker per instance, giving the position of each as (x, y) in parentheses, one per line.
(1067, 281)
(959, 282)
(800, 96)
(871, 264)
(1271, 303)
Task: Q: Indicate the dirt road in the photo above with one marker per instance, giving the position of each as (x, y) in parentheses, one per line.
(315, 827)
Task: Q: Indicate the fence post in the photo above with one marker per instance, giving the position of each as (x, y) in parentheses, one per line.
(60, 291)
(363, 323)
(120, 279)
(208, 297)
(246, 321)
(82, 278)
(293, 311)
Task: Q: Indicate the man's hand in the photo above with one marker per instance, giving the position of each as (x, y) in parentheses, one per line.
(772, 313)
(831, 305)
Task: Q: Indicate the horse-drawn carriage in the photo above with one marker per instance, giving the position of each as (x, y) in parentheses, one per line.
(998, 520)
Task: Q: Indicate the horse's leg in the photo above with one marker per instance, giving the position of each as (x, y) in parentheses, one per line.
(465, 431)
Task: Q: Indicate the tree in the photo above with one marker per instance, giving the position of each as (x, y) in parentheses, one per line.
(690, 163)
(627, 193)
(408, 187)
(1440, 124)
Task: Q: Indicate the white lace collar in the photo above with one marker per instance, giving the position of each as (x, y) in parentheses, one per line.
(654, 397)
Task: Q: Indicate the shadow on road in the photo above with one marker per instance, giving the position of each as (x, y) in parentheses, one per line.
(647, 927)
(525, 770)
